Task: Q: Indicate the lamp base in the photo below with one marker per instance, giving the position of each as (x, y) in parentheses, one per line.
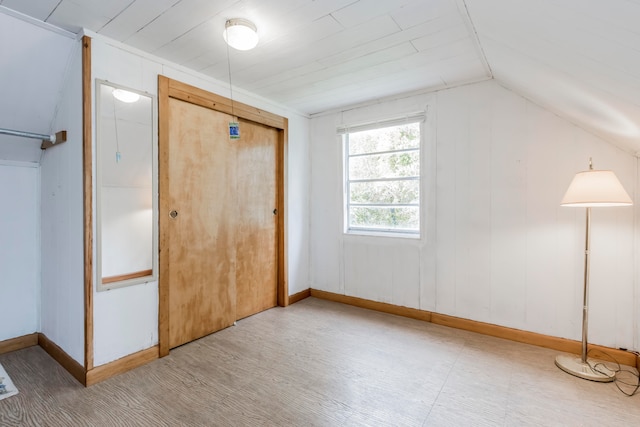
(573, 365)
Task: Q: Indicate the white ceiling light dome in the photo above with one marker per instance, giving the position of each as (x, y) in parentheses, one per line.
(240, 34)
(125, 96)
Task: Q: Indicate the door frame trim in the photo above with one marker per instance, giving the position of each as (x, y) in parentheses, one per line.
(169, 88)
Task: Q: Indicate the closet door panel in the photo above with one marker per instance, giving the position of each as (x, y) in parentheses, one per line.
(202, 241)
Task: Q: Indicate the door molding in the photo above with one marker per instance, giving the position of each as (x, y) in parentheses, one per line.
(169, 88)
(87, 202)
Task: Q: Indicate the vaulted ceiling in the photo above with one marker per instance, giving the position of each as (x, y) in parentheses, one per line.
(33, 69)
(578, 58)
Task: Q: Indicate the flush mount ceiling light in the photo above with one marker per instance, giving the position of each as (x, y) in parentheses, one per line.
(125, 96)
(240, 34)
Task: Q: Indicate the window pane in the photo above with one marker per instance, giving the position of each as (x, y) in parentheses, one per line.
(400, 219)
(392, 165)
(402, 192)
(385, 139)
(383, 168)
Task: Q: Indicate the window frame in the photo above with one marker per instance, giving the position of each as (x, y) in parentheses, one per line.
(343, 132)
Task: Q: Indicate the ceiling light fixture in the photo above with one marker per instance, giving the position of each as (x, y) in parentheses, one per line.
(125, 96)
(240, 34)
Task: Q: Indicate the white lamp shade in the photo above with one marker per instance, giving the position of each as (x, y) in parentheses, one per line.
(595, 188)
(240, 34)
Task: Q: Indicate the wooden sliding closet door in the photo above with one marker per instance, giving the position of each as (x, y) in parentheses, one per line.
(222, 240)
(202, 224)
(256, 236)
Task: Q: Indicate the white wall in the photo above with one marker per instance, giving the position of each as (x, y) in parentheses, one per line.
(636, 271)
(35, 56)
(496, 247)
(297, 183)
(62, 219)
(41, 255)
(126, 319)
(127, 230)
(19, 249)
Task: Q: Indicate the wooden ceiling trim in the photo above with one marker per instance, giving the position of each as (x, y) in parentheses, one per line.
(185, 92)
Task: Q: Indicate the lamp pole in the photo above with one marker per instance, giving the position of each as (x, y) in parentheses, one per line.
(585, 296)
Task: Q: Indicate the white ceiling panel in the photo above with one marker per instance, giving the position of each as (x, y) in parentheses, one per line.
(375, 68)
(420, 11)
(365, 10)
(351, 69)
(188, 47)
(279, 56)
(615, 13)
(460, 69)
(608, 116)
(176, 21)
(295, 58)
(40, 9)
(304, 45)
(577, 57)
(274, 80)
(311, 11)
(371, 89)
(323, 53)
(572, 57)
(109, 8)
(432, 27)
(555, 36)
(202, 46)
(136, 16)
(68, 15)
(617, 78)
(449, 35)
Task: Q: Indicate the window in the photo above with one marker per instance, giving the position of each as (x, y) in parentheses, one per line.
(382, 177)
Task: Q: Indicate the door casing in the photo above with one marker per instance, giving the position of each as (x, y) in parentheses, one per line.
(169, 88)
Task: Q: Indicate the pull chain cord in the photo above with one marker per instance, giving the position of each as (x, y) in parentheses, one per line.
(230, 85)
(115, 122)
(234, 126)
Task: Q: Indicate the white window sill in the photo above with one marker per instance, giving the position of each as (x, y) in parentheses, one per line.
(387, 234)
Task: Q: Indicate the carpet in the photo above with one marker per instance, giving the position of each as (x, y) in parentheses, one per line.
(7, 389)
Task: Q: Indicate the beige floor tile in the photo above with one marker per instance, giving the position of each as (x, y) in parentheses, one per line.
(318, 363)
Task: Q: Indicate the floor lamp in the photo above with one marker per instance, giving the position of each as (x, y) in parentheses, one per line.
(591, 188)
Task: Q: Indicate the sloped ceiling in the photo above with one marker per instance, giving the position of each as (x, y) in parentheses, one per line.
(32, 72)
(577, 58)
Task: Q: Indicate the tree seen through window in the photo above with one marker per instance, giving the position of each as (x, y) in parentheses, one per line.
(383, 179)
